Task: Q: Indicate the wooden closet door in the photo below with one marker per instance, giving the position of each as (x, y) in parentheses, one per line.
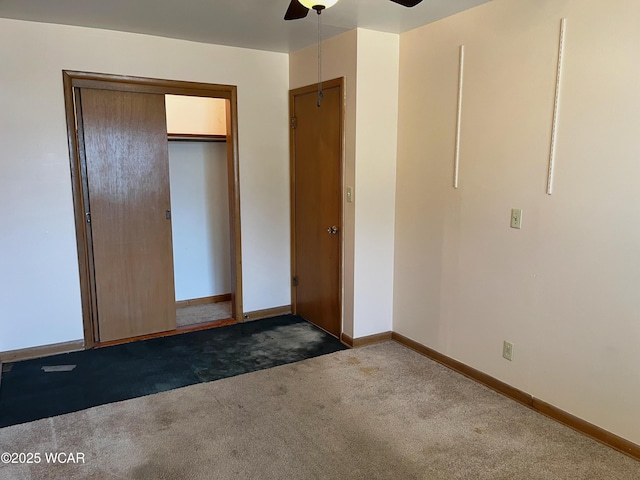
(127, 176)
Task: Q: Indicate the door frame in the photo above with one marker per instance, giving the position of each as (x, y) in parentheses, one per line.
(336, 82)
(73, 80)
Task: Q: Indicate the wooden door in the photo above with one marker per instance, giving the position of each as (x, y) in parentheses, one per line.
(123, 138)
(316, 205)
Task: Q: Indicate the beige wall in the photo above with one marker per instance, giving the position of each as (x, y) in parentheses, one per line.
(371, 114)
(339, 60)
(196, 115)
(564, 289)
(39, 287)
(376, 145)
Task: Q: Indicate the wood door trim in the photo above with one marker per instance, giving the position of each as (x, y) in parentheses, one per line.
(336, 82)
(233, 175)
(225, 297)
(79, 210)
(268, 312)
(73, 80)
(178, 331)
(104, 81)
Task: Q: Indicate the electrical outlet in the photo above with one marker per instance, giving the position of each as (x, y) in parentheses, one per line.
(507, 350)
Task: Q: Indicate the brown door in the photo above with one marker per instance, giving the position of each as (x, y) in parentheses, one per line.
(316, 197)
(124, 136)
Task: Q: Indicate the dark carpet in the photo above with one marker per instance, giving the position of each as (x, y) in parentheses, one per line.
(121, 372)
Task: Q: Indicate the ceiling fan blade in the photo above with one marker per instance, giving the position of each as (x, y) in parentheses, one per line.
(295, 11)
(407, 3)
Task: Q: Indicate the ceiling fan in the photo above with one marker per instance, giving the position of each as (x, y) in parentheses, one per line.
(300, 8)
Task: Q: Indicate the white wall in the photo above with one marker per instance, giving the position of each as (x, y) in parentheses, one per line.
(39, 287)
(200, 219)
(564, 288)
(376, 150)
(369, 62)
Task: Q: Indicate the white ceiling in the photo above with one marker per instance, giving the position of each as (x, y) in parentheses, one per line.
(255, 24)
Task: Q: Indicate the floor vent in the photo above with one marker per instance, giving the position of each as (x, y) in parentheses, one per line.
(58, 368)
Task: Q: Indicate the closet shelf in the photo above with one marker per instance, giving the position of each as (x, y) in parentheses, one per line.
(188, 137)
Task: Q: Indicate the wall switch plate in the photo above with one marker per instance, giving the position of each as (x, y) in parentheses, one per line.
(349, 194)
(516, 218)
(507, 350)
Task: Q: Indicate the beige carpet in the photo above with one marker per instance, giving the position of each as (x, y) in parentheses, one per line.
(209, 312)
(380, 412)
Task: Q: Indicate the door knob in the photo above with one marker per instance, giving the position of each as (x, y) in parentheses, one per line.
(333, 230)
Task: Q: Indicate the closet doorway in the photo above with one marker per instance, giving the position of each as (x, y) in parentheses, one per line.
(119, 155)
(197, 133)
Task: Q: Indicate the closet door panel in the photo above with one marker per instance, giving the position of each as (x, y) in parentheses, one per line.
(127, 176)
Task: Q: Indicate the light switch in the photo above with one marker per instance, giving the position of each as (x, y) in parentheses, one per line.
(516, 218)
(349, 195)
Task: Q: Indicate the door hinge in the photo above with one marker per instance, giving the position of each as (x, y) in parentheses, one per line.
(294, 281)
(294, 122)
(88, 217)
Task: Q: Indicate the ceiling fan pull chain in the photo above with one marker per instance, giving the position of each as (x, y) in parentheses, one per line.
(320, 94)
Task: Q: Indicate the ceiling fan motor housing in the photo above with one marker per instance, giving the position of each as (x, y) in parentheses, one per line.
(318, 5)
(299, 8)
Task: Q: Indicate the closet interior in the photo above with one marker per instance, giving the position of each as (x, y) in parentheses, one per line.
(198, 173)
